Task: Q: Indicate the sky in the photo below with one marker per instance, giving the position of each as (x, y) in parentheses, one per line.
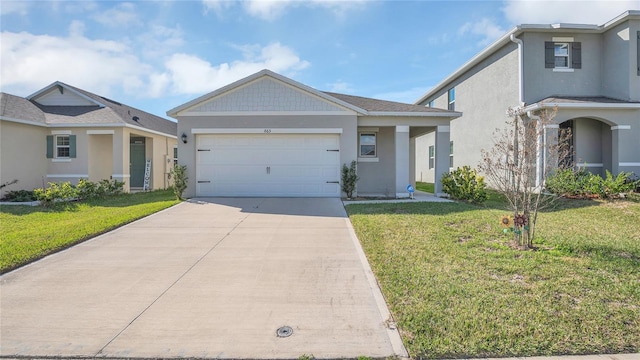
(157, 55)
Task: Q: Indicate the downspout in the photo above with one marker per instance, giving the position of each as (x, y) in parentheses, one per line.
(520, 68)
(540, 156)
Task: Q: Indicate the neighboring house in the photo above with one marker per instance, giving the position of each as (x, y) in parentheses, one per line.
(267, 135)
(62, 133)
(591, 73)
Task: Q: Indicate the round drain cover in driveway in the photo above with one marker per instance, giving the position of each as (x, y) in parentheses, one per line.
(284, 331)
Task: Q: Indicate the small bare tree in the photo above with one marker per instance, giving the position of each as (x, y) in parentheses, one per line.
(524, 153)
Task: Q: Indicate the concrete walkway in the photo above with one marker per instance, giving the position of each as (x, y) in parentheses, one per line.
(211, 278)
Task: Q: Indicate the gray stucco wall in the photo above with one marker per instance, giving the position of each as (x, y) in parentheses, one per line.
(541, 82)
(378, 178)
(483, 95)
(422, 171)
(187, 152)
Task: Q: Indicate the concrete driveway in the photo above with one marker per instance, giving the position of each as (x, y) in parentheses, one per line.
(208, 278)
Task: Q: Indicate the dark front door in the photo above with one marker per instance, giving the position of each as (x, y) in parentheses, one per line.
(136, 161)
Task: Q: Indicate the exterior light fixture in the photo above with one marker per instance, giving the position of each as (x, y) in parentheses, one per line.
(184, 138)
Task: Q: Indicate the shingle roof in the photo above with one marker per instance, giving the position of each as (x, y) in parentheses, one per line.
(112, 113)
(16, 107)
(376, 105)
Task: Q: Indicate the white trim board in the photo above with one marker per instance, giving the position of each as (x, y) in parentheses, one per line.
(67, 175)
(267, 131)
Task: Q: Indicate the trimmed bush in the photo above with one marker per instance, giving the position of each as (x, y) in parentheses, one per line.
(583, 184)
(465, 184)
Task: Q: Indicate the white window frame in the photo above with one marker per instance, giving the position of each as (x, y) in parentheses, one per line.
(375, 144)
(432, 156)
(451, 99)
(567, 57)
(58, 147)
(175, 155)
(450, 154)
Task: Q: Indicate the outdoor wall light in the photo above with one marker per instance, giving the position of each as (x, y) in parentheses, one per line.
(184, 138)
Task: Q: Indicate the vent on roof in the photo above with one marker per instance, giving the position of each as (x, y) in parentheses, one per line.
(135, 118)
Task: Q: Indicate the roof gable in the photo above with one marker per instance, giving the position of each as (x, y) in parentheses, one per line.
(59, 94)
(264, 91)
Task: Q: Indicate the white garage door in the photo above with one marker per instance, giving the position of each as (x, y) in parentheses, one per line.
(279, 165)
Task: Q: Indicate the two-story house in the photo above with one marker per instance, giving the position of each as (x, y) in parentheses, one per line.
(591, 73)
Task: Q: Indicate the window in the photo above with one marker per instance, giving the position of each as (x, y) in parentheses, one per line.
(175, 155)
(61, 146)
(432, 156)
(368, 145)
(451, 154)
(452, 99)
(431, 103)
(563, 55)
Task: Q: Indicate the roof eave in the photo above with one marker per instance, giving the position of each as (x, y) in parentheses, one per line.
(175, 111)
(61, 84)
(592, 105)
(505, 39)
(449, 114)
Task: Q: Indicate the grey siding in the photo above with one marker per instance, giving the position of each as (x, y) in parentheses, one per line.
(348, 143)
(378, 178)
(541, 82)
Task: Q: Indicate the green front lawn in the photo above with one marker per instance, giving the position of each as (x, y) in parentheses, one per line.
(458, 289)
(29, 233)
(424, 186)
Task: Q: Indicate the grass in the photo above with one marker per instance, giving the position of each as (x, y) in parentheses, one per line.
(424, 186)
(458, 289)
(29, 233)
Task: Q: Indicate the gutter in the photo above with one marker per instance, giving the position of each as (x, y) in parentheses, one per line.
(520, 67)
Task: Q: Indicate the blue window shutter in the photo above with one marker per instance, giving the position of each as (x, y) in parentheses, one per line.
(549, 55)
(72, 146)
(576, 55)
(49, 146)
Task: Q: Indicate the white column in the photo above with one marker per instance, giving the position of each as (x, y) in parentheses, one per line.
(402, 161)
(442, 157)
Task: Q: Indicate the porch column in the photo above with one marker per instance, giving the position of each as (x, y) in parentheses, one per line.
(550, 141)
(441, 157)
(402, 160)
(617, 141)
(120, 167)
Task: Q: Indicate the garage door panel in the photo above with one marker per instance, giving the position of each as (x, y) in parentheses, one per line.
(268, 165)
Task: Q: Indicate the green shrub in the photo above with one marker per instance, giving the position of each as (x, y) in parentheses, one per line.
(179, 176)
(465, 184)
(349, 178)
(90, 190)
(55, 192)
(583, 184)
(19, 196)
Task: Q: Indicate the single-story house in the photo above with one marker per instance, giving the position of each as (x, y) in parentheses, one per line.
(62, 133)
(268, 135)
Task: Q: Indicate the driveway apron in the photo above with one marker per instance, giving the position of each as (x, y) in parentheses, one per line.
(208, 278)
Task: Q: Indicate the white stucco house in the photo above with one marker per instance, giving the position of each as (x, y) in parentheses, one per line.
(63, 133)
(268, 135)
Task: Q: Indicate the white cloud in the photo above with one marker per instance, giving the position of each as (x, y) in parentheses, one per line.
(582, 12)
(486, 28)
(32, 61)
(189, 74)
(14, 7)
(273, 9)
(340, 87)
(122, 15)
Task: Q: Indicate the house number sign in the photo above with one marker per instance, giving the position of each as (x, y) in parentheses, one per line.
(267, 131)
(147, 175)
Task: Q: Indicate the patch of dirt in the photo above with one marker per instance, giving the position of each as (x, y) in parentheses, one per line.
(464, 239)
